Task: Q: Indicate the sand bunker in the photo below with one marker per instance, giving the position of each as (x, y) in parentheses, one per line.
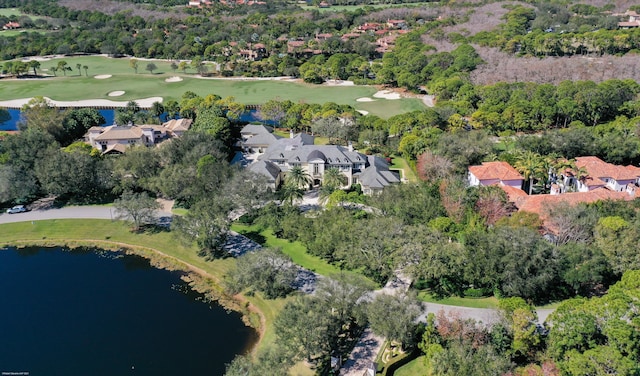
(386, 94)
(363, 112)
(173, 79)
(116, 93)
(102, 76)
(339, 83)
(365, 99)
(142, 102)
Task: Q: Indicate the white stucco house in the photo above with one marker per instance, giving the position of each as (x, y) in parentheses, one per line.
(490, 173)
(597, 173)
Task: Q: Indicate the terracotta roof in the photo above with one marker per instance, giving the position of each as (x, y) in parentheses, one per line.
(495, 170)
(512, 192)
(539, 203)
(598, 169)
(629, 24)
(350, 35)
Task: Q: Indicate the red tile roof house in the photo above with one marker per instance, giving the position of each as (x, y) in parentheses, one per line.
(490, 173)
(11, 25)
(600, 174)
(542, 204)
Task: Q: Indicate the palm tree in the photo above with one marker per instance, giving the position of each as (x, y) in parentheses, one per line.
(34, 64)
(332, 180)
(54, 70)
(63, 65)
(291, 194)
(531, 166)
(157, 109)
(298, 178)
(86, 68)
(79, 68)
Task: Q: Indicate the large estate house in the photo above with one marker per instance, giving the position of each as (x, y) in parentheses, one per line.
(275, 155)
(490, 173)
(117, 138)
(593, 173)
(592, 180)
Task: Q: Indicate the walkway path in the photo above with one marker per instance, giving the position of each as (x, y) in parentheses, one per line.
(366, 350)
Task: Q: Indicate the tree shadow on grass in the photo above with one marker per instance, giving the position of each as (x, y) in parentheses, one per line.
(255, 236)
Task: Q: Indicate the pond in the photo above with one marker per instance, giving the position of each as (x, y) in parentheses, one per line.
(109, 115)
(93, 312)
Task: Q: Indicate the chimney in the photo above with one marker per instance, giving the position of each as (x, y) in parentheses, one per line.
(350, 146)
(291, 133)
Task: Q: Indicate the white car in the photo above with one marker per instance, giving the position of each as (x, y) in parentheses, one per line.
(17, 209)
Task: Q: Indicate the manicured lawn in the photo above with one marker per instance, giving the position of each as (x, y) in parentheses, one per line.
(8, 12)
(179, 211)
(11, 33)
(98, 231)
(340, 8)
(413, 368)
(385, 108)
(491, 302)
(295, 250)
(400, 163)
(144, 85)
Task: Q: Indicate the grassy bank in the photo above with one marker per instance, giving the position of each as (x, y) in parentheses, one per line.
(296, 250)
(161, 248)
(490, 302)
(76, 85)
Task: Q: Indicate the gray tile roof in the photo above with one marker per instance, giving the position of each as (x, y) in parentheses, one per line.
(331, 154)
(377, 175)
(266, 168)
(261, 139)
(255, 129)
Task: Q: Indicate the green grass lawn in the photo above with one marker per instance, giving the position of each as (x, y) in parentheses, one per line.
(490, 302)
(8, 12)
(110, 233)
(11, 33)
(414, 367)
(341, 8)
(143, 85)
(386, 108)
(399, 163)
(296, 250)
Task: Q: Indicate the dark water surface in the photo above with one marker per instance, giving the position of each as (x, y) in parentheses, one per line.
(109, 116)
(101, 313)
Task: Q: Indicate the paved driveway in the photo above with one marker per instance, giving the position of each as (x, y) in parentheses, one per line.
(67, 212)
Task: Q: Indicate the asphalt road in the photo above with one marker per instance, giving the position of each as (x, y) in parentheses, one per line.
(67, 212)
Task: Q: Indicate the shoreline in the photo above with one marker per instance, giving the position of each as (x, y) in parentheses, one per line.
(142, 102)
(198, 279)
